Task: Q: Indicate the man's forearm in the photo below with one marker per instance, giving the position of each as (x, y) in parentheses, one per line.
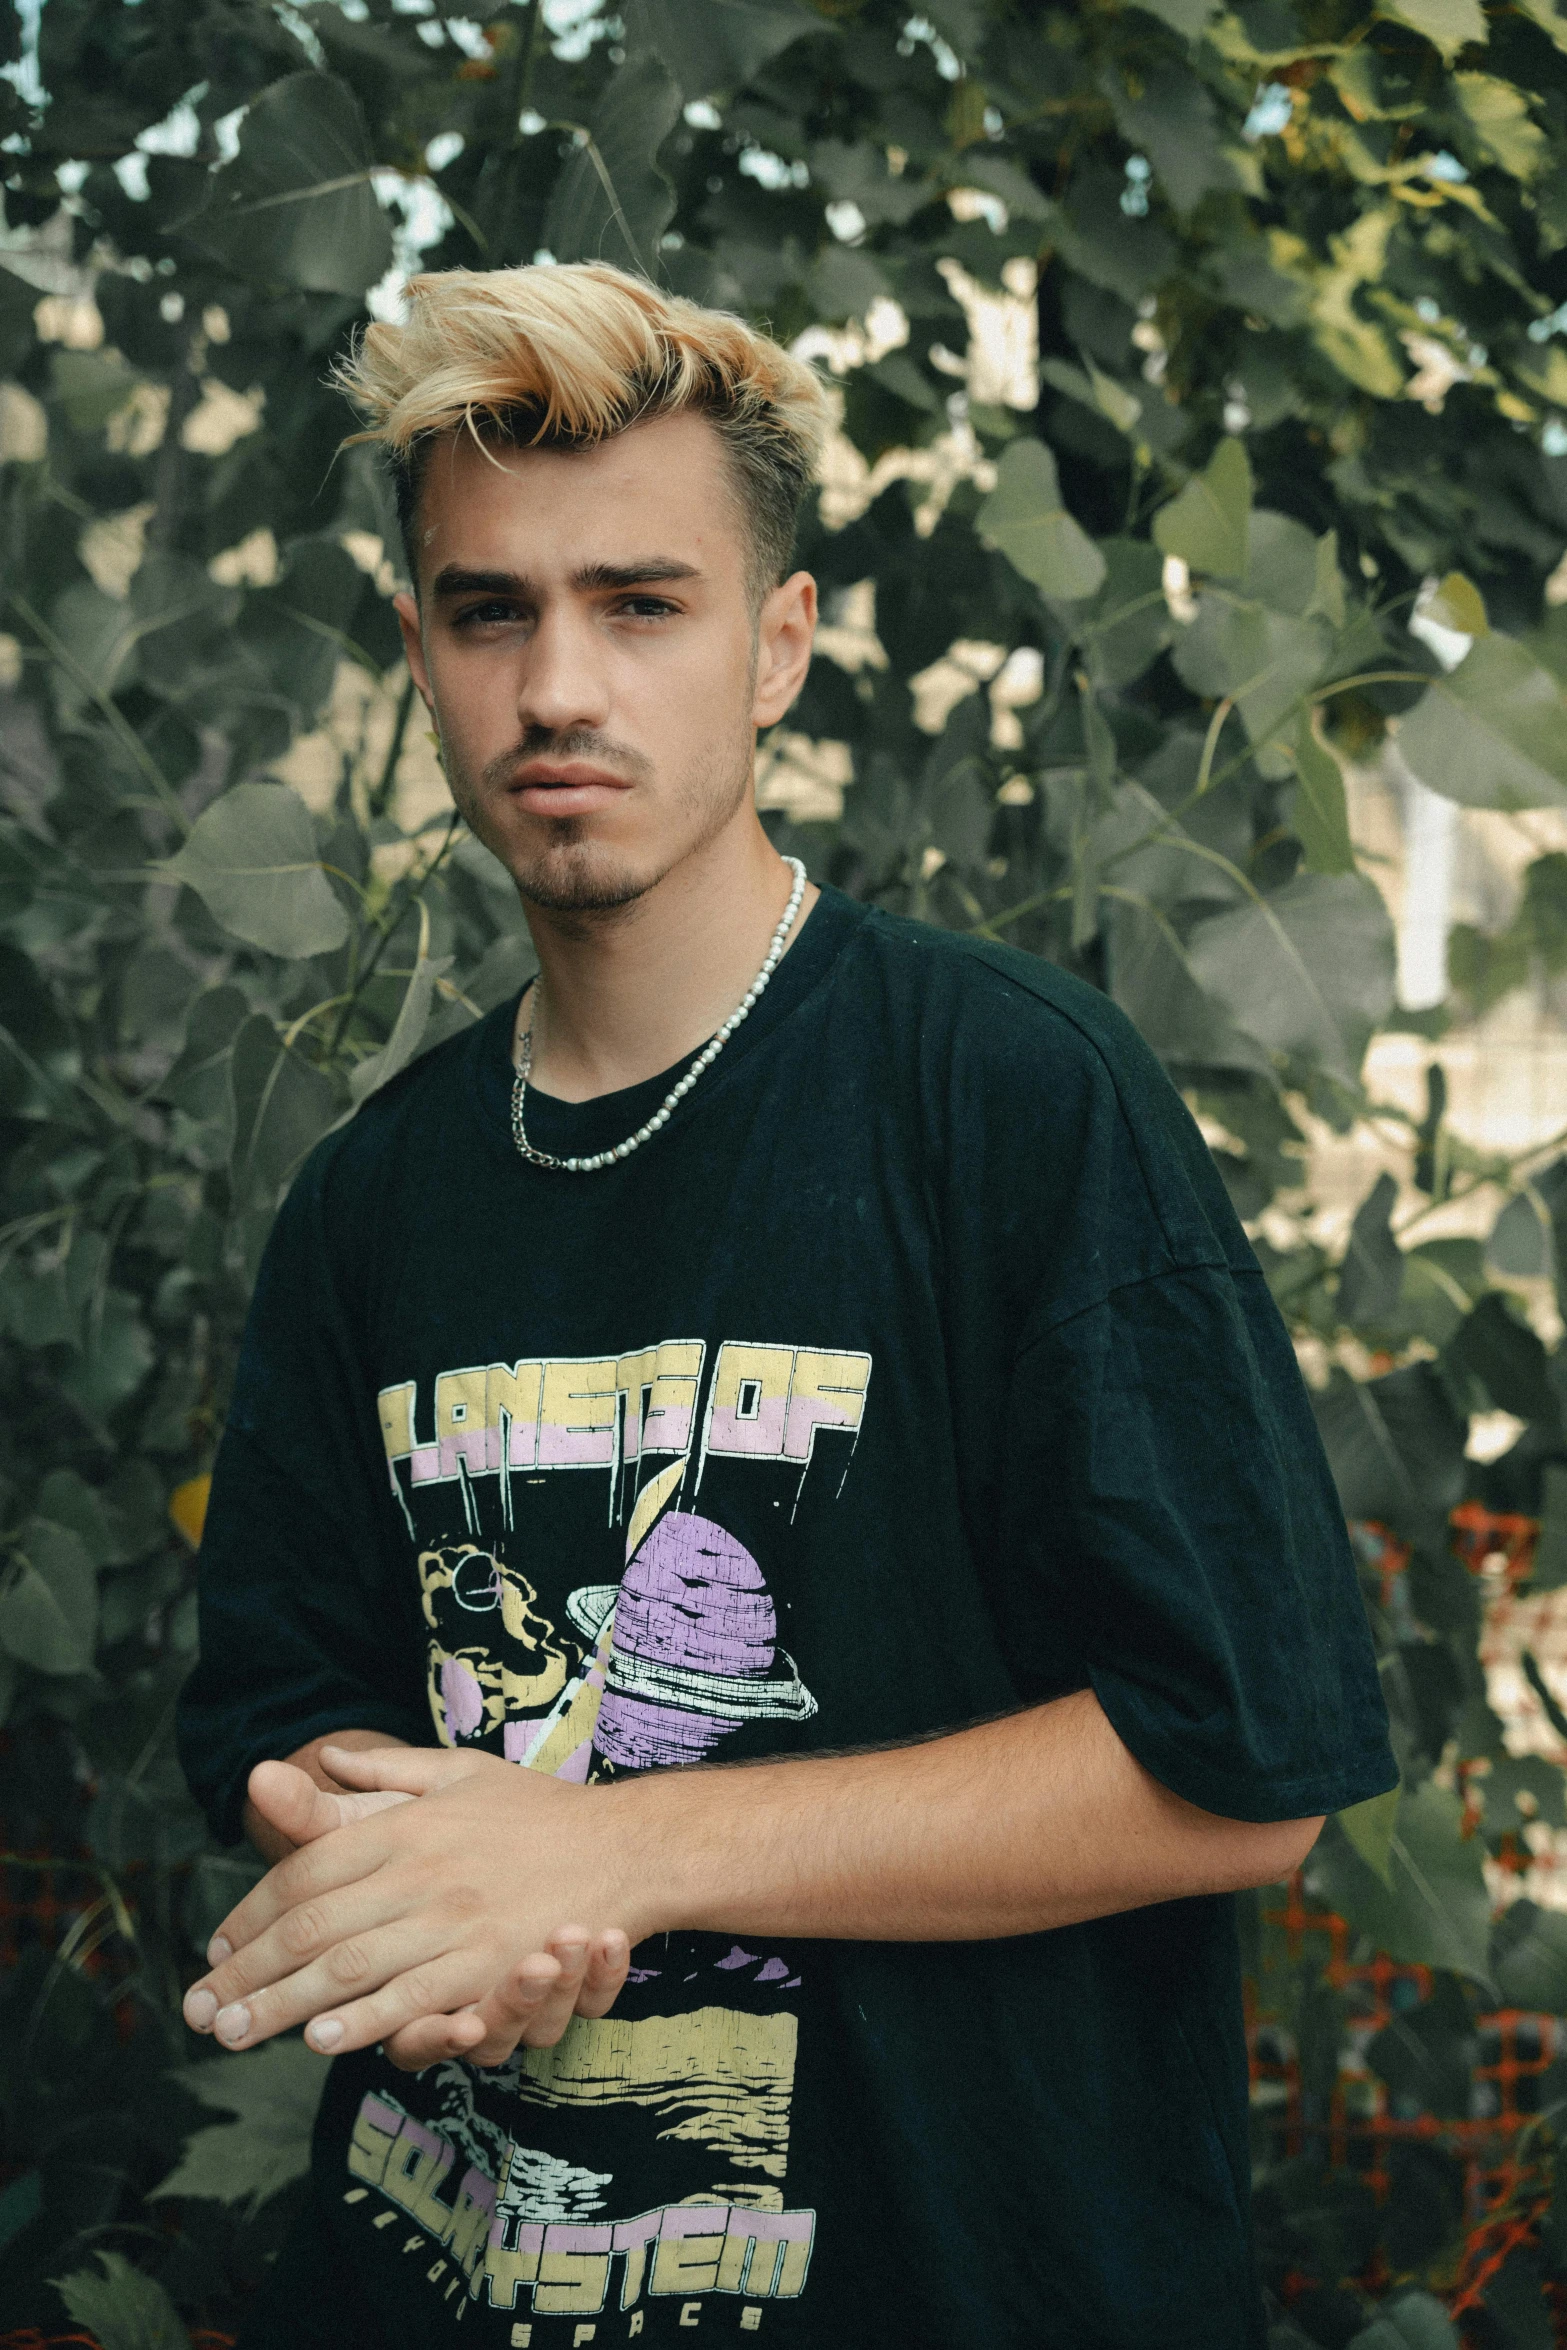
(1013, 1827)
(270, 1840)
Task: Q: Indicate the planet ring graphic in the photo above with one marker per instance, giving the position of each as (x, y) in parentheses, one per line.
(726, 1697)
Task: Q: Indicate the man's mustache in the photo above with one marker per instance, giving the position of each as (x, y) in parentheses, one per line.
(577, 742)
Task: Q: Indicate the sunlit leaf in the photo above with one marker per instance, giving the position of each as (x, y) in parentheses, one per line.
(252, 859)
(1024, 516)
(1306, 970)
(711, 45)
(1437, 1910)
(1449, 25)
(1493, 733)
(1208, 523)
(612, 203)
(272, 2094)
(1369, 1827)
(124, 2307)
(296, 205)
(1321, 808)
(49, 1600)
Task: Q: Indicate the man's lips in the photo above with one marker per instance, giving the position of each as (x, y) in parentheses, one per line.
(544, 787)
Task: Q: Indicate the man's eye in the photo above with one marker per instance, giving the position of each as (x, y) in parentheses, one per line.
(648, 607)
(481, 615)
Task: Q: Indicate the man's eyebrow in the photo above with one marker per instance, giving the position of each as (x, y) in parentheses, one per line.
(629, 575)
(455, 580)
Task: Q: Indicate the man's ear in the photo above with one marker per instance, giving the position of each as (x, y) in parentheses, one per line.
(407, 610)
(785, 630)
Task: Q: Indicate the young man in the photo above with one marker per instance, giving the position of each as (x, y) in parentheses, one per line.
(789, 1337)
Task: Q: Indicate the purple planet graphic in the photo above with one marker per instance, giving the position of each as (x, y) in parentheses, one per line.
(695, 1648)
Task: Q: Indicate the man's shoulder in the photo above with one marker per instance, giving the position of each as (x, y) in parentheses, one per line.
(1009, 1007)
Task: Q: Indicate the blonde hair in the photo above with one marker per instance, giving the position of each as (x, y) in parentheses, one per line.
(567, 356)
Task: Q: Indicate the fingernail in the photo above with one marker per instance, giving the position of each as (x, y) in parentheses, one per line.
(200, 2008)
(219, 1950)
(232, 2023)
(325, 2033)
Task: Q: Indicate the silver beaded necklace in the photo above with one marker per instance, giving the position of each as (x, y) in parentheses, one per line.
(704, 1059)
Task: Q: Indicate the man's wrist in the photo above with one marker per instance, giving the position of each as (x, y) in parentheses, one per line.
(681, 1843)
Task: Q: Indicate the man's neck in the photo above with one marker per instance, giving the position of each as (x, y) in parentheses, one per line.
(625, 996)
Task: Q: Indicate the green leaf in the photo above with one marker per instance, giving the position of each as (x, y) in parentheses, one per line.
(65, 1499)
(1266, 662)
(1541, 1783)
(1548, 15)
(1409, 2321)
(1208, 524)
(199, 1083)
(1496, 1347)
(1327, 590)
(116, 1354)
(272, 2092)
(1492, 734)
(122, 2305)
(251, 858)
(1321, 809)
(413, 1018)
(1372, 1274)
(296, 205)
(1128, 624)
(1186, 17)
(1025, 518)
(1447, 24)
(717, 45)
(1529, 1955)
(1548, 1569)
(1456, 603)
(1307, 970)
(612, 203)
(1396, 1448)
(1502, 124)
(1283, 563)
(49, 1600)
(18, 301)
(282, 1107)
(1151, 981)
(20, 2204)
(1369, 1827)
(1437, 1910)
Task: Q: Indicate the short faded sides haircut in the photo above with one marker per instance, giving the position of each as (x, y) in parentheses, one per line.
(563, 357)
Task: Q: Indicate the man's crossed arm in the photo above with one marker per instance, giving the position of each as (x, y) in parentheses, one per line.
(438, 1926)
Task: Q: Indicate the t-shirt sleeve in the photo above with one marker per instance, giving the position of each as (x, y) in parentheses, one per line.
(1185, 1524)
(304, 1625)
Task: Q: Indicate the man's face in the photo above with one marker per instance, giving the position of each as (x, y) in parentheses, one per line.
(597, 670)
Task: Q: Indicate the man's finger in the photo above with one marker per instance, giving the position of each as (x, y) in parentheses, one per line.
(532, 2006)
(436, 2039)
(300, 1810)
(407, 1770)
(434, 1988)
(604, 1978)
(414, 1958)
(488, 2032)
(324, 1865)
(291, 1801)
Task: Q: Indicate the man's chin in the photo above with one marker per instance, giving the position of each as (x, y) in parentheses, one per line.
(579, 879)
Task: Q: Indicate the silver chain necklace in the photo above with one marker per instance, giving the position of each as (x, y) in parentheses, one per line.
(704, 1059)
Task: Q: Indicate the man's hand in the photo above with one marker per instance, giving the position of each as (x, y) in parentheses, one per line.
(393, 1924)
(443, 1927)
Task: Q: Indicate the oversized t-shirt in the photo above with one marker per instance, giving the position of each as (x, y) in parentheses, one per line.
(917, 1371)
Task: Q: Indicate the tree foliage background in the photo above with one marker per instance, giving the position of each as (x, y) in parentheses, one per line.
(1300, 273)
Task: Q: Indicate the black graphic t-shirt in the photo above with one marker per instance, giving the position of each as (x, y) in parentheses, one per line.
(917, 1371)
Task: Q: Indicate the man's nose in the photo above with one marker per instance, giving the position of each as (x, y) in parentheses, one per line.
(563, 683)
